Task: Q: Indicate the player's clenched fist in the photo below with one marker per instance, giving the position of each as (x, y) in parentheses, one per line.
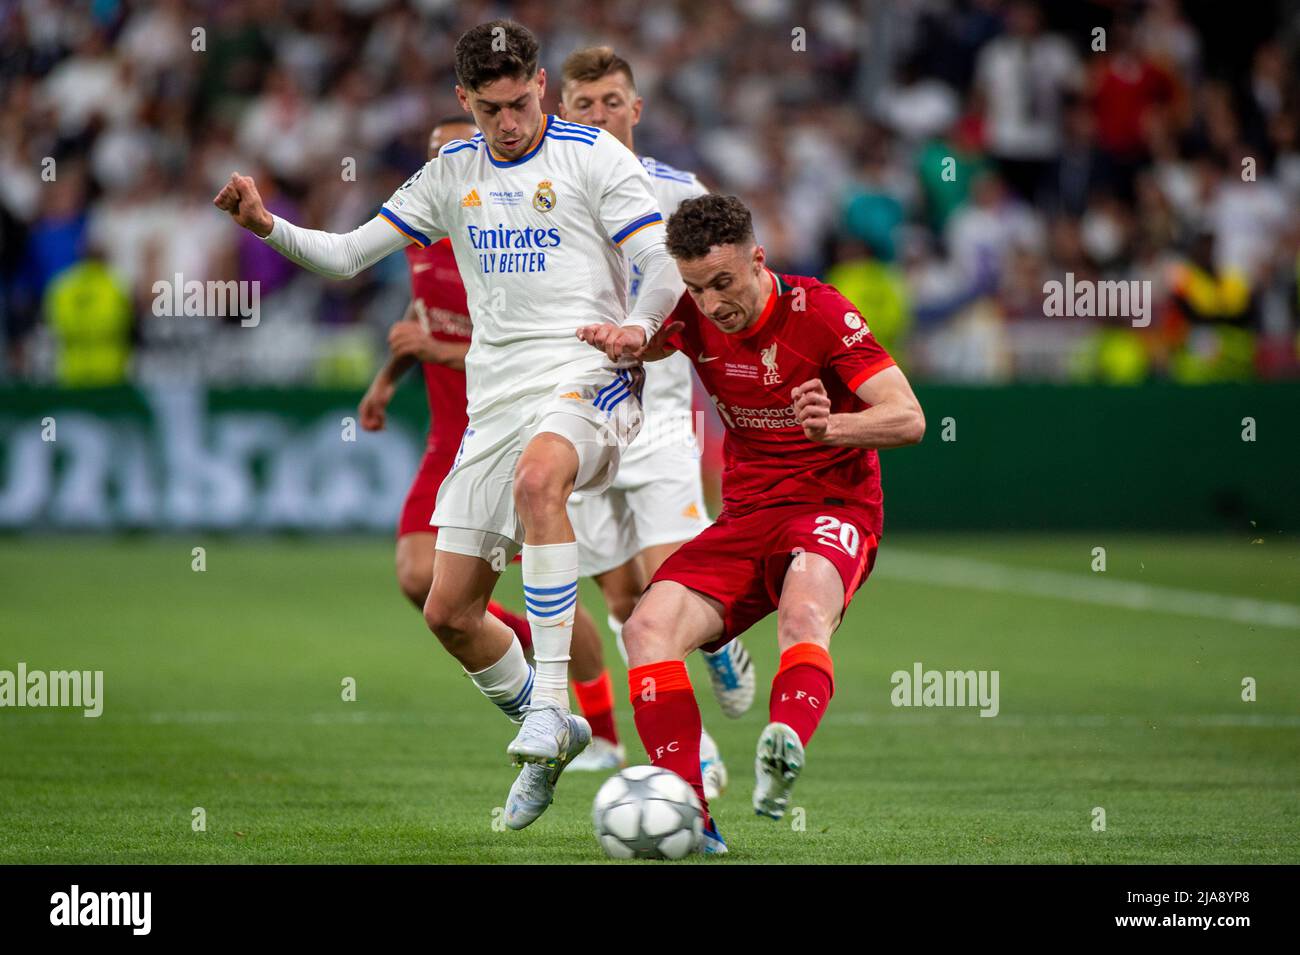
(240, 198)
(812, 409)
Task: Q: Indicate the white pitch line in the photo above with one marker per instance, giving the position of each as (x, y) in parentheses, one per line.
(898, 718)
(909, 716)
(984, 575)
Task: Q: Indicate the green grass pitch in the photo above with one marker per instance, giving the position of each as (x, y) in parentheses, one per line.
(223, 691)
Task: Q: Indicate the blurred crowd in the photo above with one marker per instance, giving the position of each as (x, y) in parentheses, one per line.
(940, 161)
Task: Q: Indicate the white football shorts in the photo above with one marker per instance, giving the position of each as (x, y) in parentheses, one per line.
(599, 413)
(665, 505)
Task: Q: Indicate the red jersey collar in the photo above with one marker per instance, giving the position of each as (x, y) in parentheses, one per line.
(768, 309)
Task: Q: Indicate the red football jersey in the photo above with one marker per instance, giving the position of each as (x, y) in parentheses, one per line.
(439, 298)
(807, 330)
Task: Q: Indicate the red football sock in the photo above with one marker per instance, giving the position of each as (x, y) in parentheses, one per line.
(668, 720)
(596, 700)
(803, 686)
(515, 622)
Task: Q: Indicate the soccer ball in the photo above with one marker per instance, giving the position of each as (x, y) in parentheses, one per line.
(647, 813)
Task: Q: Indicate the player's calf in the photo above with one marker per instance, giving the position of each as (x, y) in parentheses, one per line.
(668, 720)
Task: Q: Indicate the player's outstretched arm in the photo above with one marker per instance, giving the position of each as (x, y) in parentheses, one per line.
(642, 336)
(327, 253)
(628, 210)
(661, 285)
(894, 420)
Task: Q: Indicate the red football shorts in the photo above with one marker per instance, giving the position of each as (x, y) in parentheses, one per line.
(423, 494)
(742, 561)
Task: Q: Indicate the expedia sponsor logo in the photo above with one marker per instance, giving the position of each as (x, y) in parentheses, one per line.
(859, 329)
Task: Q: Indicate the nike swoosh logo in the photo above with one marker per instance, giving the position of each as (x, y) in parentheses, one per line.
(421, 267)
(709, 358)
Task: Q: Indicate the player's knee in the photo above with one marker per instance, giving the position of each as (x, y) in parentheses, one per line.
(804, 621)
(450, 623)
(648, 639)
(539, 486)
(414, 579)
(621, 604)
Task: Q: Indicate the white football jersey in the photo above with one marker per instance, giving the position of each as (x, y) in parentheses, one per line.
(539, 242)
(666, 396)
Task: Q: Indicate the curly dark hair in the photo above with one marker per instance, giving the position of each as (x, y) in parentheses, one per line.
(495, 49)
(705, 221)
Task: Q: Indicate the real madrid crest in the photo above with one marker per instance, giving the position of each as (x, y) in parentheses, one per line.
(544, 197)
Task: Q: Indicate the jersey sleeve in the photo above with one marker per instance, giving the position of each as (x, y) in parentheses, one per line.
(623, 197)
(695, 188)
(414, 209)
(851, 350)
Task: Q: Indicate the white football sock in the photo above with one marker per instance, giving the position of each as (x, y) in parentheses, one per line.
(508, 683)
(550, 595)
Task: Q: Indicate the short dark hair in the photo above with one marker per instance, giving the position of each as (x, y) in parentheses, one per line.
(594, 63)
(705, 221)
(495, 49)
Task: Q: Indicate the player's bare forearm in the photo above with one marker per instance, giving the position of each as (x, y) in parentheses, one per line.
(452, 354)
(628, 341)
(394, 368)
(894, 418)
(410, 339)
(882, 426)
(397, 364)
